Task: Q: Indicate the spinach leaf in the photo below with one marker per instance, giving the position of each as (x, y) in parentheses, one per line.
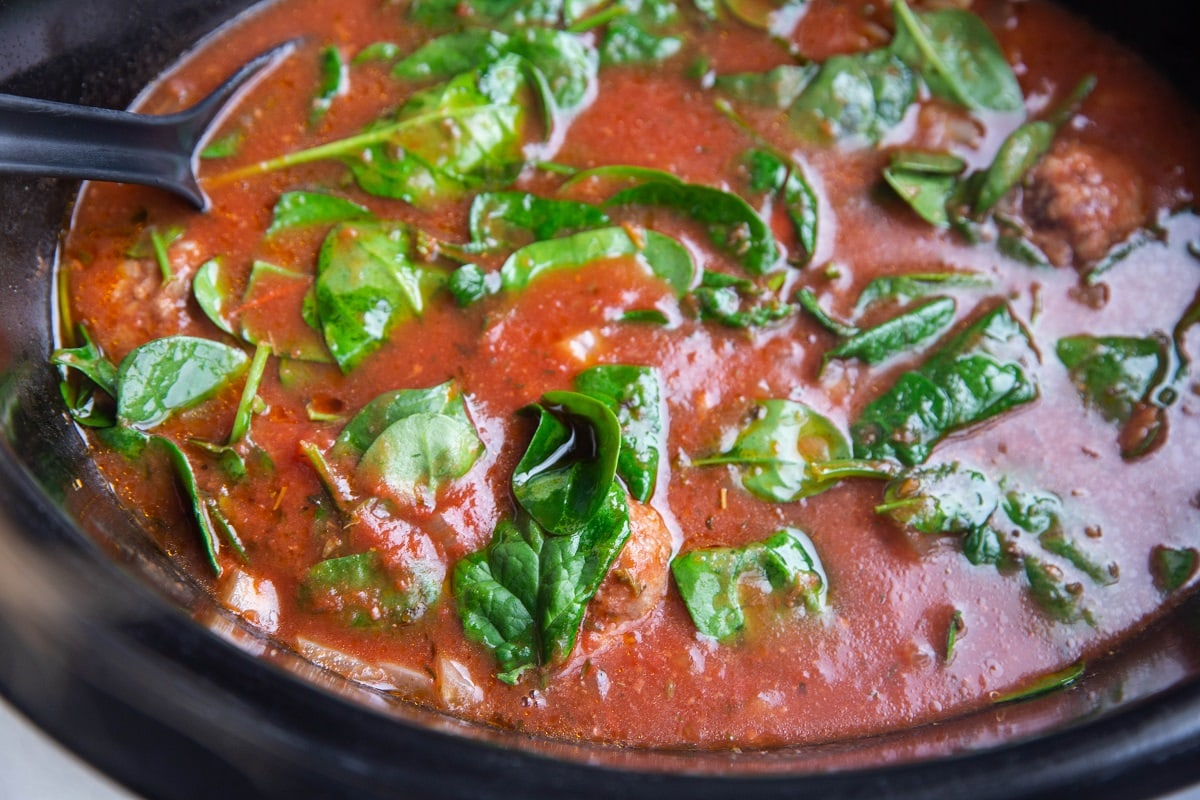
(564, 477)
(942, 499)
(714, 581)
(898, 334)
(926, 181)
(808, 301)
(417, 453)
(305, 209)
(390, 407)
(737, 302)
(501, 220)
(976, 375)
(89, 360)
(954, 631)
(774, 450)
(452, 53)
(778, 87)
(854, 99)
(88, 398)
(1058, 542)
(902, 288)
(461, 135)
(524, 595)
(782, 177)
(366, 285)
(469, 284)
(1045, 684)
(363, 593)
(634, 394)
(249, 401)
(214, 525)
(1173, 567)
(731, 223)
(568, 64)
(662, 255)
(335, 82)
(1049, 586)
(957, 56)
(226, 146)
(1112, 373)
(630, 40)
(213, 290)
(173, 373)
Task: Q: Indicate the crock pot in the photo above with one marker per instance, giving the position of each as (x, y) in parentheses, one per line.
(117, 654)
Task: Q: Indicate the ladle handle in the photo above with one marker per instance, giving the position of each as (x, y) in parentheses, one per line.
(42, 137)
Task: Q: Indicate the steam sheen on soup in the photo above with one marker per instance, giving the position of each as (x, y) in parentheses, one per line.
(663, 372)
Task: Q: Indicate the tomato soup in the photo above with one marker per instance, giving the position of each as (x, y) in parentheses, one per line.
(722, 374)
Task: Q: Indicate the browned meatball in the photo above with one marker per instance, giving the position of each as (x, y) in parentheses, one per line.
(1080, 200)
(638, 580)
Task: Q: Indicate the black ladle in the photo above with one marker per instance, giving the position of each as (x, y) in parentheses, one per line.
(42, 137)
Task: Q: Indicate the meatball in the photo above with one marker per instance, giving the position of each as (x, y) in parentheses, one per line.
(1079, 201)
(637, 581)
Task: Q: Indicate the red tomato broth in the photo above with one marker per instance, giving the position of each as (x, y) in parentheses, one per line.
(875, 660)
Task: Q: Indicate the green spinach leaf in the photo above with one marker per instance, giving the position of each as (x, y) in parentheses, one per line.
(564, 477)
(634, 394)
(662, 255)
(524, 595)
(173, 373)
(363, 593)
(731, 223)
(976, 375)
(957, 56)
(714, 582)
(366, 285)
(926, 181)
(737, 302)
(902, 288)
(301, 209)
(1112, 373)
(777, 88)
(1173, 567)
(877, 344)
(509, 220)
(774, 450)
(783, 177)
(854, 99)
(334, 82)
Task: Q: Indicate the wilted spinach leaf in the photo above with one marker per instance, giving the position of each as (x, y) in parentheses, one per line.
(737, 302)
(362, 592)
(975, 376)
(301, 209)
(1172, 567)
(367, 284)
(942, 499)
(902, 288)
(713, 581)
(731, 223)
(854, 98)
(564, 477)
(334, 82)
(1112, 373)
(772, 173)
(501, 220)
(778, 87)
(524, 595)
(662, 255)
(634, 395)
(173, 373)
(896, 335)
(957, 56)
(926, 181)
(774, 450)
